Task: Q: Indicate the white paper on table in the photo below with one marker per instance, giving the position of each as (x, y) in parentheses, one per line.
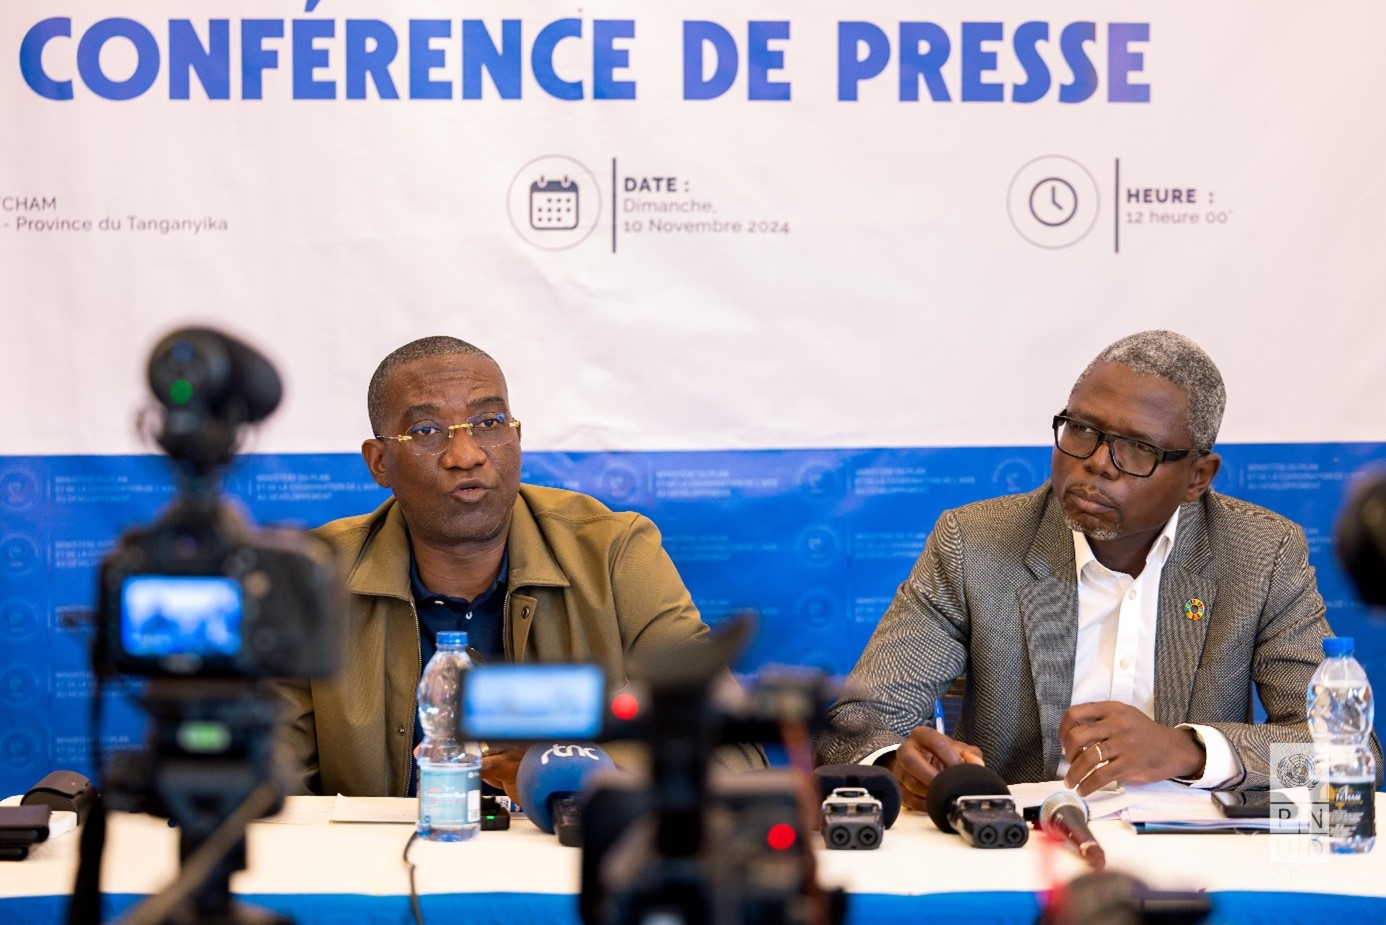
(375, 809)
(1104, 804)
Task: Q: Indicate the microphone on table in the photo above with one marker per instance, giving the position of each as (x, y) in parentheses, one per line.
(874, 779)
(1064, 815)
(549, 781)
(975, 802)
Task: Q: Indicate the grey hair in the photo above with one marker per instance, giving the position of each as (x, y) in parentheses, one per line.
(424, 348)
(1177, 359)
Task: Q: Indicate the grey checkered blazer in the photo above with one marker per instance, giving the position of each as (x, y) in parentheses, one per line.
(995, 594)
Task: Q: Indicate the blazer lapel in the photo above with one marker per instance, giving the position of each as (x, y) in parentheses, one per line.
(1048, 615)
(1185, 610)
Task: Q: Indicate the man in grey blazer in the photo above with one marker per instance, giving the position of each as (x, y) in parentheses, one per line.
(1112, 623)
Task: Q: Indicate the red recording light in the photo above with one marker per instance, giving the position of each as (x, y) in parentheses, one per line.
(625, 706)
(781, 837)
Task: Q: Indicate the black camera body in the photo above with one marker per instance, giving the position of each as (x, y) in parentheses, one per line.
(209, 611)
(689, 845)
(988, 822)
(753, 862)
(852, 818)
(199, 594)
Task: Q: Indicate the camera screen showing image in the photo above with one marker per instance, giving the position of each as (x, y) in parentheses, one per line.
(533, 702)
(180, 616)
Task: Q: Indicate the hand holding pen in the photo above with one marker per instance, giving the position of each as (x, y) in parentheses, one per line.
(926, 751)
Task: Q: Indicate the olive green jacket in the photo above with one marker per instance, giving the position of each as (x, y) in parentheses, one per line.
(585, 585)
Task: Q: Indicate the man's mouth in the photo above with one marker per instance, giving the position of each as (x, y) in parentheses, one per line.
(469, 491)
(1091, 503)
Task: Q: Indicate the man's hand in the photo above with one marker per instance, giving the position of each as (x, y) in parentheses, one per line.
(1110, 741)
(499, 768)
(919, 759)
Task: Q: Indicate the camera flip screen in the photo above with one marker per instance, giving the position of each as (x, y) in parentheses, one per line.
(533, 702)
(180, 615)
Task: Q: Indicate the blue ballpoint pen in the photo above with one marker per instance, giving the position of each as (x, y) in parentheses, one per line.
(938, 717)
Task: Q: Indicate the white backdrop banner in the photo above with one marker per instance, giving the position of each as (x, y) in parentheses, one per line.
(791, 277)
(698, 225)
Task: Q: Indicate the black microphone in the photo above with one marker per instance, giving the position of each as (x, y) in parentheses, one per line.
(975, 802)
(1064, 815)
(876, 780)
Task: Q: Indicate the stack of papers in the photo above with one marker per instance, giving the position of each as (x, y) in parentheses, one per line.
(1167, 807)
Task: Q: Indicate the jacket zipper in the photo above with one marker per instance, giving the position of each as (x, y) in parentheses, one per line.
(418, 676)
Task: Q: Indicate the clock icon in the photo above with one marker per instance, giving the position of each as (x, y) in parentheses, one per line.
(1053, 201)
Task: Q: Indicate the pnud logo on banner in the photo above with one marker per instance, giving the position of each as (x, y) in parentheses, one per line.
(554, 202)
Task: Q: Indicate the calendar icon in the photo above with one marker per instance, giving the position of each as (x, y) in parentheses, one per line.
(553, 205)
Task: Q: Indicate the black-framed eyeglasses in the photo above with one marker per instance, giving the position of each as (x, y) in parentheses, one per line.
(430, 438)
(1132, 456)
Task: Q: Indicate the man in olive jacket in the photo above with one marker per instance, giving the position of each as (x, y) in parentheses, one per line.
(533, 574)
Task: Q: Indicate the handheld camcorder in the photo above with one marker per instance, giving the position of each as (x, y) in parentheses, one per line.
(681, 843)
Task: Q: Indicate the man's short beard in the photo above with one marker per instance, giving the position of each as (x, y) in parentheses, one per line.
(1101, 536)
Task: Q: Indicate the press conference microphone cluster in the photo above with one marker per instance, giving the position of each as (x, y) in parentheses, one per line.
(975, 802)
(549, 781)
(1064, 815)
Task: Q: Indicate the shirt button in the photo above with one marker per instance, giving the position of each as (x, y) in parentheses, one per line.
(1125, 663)
(1132, 595)
(438, 603)
(401, 730)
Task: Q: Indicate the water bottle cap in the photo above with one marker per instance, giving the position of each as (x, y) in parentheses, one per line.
(1337, 645)
(455, 639)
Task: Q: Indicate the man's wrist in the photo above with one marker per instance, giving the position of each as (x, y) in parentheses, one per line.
(1198, 754)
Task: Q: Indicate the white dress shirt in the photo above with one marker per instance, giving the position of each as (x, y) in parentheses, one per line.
(1115, 657)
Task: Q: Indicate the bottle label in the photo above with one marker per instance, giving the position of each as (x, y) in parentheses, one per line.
(1351, 809)
(449, 796)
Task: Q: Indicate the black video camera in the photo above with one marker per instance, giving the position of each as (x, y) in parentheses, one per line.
(209, 610)
(680, 843)
(1360, 537)
(199, 594)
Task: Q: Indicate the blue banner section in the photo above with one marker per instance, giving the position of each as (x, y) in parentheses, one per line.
(813, 541)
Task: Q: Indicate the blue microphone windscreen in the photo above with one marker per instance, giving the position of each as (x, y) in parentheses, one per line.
(551, 769)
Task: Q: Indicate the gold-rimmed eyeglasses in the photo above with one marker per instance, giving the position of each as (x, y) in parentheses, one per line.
(430, 438)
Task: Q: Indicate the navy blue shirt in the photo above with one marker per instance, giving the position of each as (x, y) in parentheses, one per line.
(482, 619)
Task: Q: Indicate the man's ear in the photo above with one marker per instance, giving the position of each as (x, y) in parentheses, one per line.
(373, 452)
(1201, 475)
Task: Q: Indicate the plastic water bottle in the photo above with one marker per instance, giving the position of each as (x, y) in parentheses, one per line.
(1340, 721)
(449, 769)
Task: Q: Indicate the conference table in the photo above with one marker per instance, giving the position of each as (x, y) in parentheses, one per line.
(315, 870)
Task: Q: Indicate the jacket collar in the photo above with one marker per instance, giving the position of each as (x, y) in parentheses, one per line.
(385, 571)
(1049, 608)
(531, 561)
(1048, 615)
